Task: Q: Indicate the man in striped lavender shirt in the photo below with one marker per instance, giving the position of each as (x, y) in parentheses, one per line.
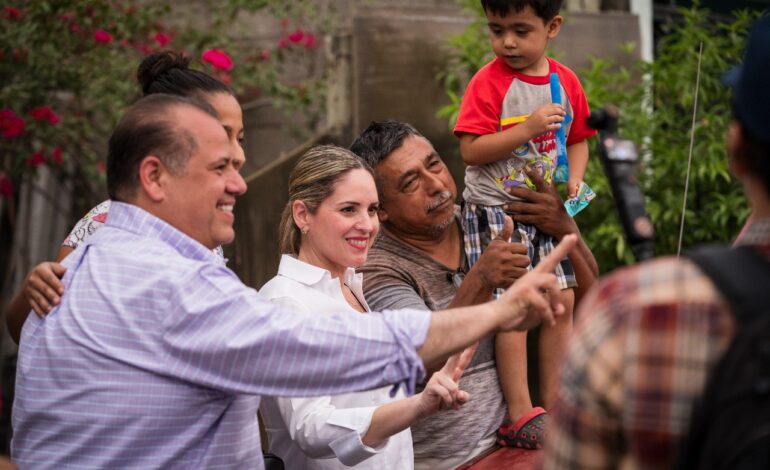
(157, 354)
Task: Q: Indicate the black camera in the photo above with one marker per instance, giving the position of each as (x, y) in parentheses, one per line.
(619, 158)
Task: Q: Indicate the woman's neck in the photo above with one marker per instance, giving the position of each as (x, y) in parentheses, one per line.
(310, 257)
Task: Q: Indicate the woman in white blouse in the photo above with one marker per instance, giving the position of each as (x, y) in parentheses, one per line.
(327, 228)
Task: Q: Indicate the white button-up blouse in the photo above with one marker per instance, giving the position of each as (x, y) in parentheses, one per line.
(325, 432)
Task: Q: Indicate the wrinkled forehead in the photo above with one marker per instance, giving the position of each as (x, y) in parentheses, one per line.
(414, 153)
(412, 157)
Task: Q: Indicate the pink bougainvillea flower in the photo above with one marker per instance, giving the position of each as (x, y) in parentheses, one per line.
(6, 186)
(282, 43)
(162, 39)
(19, 54)
(67, 17)
(11, 125)
(37, 159)
(102, 36)
(145, 48)
(44, 113)
(310, 41)
(218, 58)
(264, 56)
(75, 28)
(11, 13)
(296, 36)
(56, 156)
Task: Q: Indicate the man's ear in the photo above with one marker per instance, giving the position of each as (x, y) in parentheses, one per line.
(382, 214)
(554, 26)
(151, 178)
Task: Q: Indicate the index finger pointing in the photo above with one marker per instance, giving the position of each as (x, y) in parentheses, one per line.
(548, 264)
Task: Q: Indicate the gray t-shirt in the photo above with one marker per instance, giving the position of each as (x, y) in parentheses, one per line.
(396, 276)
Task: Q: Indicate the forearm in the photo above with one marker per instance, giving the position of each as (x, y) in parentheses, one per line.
(453, 330)
(45, 282)
(390, 419)
(577, 155)
(585, 267)
(490, 148)
(583, 261)
(16, 314)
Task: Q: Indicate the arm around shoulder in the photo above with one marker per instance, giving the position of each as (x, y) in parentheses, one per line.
(41, 292)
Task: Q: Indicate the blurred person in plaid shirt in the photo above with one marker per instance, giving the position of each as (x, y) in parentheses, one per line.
(649, 335)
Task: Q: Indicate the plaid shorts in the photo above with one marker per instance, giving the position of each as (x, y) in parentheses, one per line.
(482, 224)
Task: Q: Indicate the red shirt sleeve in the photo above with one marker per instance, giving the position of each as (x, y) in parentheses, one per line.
(481, 104)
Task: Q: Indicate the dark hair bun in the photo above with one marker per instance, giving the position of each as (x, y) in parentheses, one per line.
(156, 66)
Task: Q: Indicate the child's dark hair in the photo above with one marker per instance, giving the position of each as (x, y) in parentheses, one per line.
(544, 9)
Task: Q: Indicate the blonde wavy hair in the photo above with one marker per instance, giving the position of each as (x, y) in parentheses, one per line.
(313, 179)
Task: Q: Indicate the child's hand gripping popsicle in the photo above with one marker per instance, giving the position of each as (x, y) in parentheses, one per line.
(581, 194)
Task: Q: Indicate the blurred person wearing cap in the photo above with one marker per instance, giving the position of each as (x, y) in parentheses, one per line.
(650, 334)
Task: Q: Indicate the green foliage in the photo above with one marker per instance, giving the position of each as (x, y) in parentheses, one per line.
(71, 57)
(656, 104)
(470, 51)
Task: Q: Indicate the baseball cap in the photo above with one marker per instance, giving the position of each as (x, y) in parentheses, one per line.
(750, 82)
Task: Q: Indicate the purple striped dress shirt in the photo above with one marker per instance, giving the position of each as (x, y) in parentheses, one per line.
(158, 354)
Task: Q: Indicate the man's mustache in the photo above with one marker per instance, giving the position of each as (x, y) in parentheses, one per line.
(438, 200)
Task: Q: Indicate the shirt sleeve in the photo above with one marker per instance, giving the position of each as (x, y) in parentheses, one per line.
(579, 130)
(388, 288)
(226, 336)
(480, 107)
(324, 431)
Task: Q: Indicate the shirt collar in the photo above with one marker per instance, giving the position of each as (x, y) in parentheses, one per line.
(134, 219)
(321, 279)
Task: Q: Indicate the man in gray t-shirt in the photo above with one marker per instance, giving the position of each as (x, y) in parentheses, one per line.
(418, 262)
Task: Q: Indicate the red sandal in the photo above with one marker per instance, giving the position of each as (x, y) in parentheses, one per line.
(526, 433)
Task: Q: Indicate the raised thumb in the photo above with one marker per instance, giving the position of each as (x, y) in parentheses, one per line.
(505, 235)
